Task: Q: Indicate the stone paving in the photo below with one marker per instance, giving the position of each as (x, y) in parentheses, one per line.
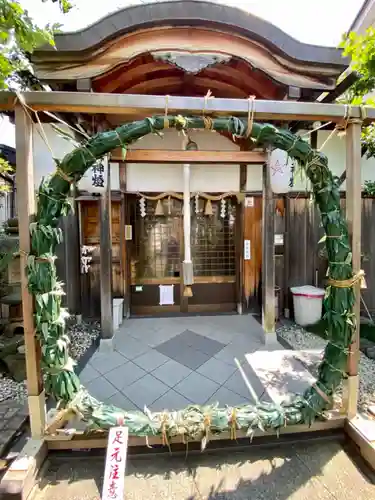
(12, 416)
(169, 363)
(306, 471)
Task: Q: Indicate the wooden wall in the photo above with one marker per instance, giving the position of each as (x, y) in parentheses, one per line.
(306, 259)
(90, 235)
(299, 261)
(253, 268)
(67, 262)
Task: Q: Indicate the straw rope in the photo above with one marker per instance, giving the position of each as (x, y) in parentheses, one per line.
(250, 115)
(349, 283)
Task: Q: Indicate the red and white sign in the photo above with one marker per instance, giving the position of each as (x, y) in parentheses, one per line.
(114, 473)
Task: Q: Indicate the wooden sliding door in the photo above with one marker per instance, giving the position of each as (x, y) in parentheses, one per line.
(213, 244)
(156, 256)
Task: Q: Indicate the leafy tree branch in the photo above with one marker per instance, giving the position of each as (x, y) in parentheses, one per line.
(361, 50)
(19, 36)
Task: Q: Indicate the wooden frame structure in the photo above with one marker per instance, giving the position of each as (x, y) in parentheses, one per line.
(206, 157)
(130, 106)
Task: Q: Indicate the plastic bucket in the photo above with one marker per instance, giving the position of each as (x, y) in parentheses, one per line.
(308, 304)
(117, 305)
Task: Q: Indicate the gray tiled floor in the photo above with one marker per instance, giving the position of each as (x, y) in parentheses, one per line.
(169, 363)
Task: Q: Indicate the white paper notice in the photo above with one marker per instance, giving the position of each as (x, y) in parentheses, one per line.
(247, 250)
(279, 239)
(249, 201)
(166, 295)
(114, 474)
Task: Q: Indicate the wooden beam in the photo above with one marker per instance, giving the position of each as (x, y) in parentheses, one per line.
(129, 75)
(353, 215)
(106, 261)
(81, 441)
(219, 86)
(167, 156)
(128, 105)
(268, 258)
(243, 80)
(158, 84)
(26, 210)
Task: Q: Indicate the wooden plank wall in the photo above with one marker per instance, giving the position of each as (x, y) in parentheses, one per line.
(67, 263)
(253, 268)
(307, 259)
(90, 288)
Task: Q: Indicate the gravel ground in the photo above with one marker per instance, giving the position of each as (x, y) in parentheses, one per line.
(299, 338)
(82, 336)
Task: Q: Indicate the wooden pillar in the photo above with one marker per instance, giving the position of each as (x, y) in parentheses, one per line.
(124, 243)
(187, 263)
(72, 257)
(106, 261)
(26, 212)
(240, 222)
(268, 258)
(287, 257)
(353, 215)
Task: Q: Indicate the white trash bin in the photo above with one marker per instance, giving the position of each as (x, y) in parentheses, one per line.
(117, 305)
(308, 304)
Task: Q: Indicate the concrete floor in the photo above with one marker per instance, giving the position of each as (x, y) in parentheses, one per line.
(169, 363)
(316, 471)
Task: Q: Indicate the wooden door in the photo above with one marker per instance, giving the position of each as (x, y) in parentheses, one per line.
(213, 244)
(90, 236)
(155, 254)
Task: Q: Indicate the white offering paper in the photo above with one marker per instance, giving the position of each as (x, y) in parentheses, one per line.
(166, 295)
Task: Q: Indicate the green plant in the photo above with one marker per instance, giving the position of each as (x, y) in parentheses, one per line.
(19, 36)
(194, 421)
(361, 50)
(369, 188)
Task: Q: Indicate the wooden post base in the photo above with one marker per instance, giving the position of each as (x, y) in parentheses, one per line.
(21, 476)
(350, 396)
(362, 433)
(37, 412)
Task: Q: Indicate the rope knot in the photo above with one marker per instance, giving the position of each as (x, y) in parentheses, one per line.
(350, 282)
(64, 176)
(250, 115)
(164, 435)
(233, 424)
(166, 121)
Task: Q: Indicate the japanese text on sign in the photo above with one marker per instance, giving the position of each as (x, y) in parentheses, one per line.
(114, 474)
(98, 175)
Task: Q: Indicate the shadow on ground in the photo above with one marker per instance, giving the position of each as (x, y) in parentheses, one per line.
(322, 470)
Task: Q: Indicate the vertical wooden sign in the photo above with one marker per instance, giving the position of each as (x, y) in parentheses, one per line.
(115, 462)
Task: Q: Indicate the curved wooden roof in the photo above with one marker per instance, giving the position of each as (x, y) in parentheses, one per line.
(192, 13)
(136, 50)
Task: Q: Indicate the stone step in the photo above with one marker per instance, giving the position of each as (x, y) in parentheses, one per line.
(281, 373)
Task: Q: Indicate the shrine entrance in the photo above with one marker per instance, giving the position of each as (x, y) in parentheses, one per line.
(156, 255)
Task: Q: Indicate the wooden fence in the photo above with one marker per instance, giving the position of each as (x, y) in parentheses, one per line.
(304, 258)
